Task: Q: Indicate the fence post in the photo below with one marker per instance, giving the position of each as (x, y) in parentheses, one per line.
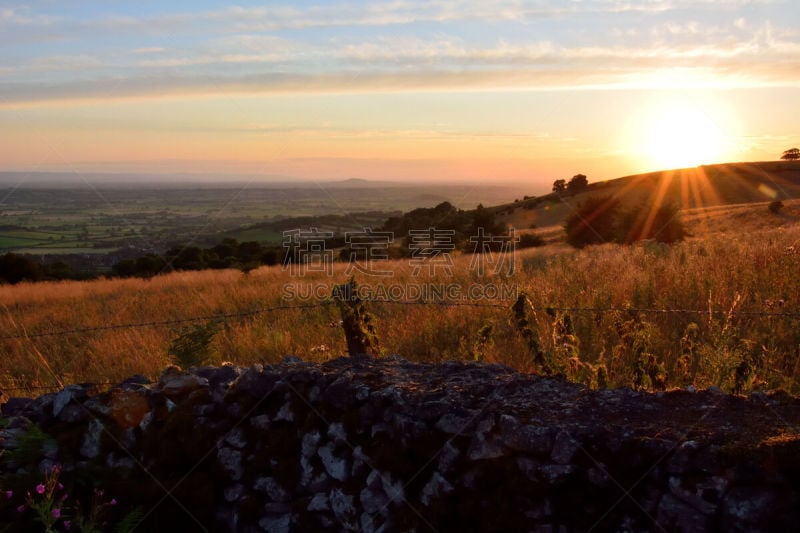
(358, 324)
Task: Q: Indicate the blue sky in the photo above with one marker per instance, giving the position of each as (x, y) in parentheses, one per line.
(360, 84)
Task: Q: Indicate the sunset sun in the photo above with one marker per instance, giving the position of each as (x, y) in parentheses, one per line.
(682, 136)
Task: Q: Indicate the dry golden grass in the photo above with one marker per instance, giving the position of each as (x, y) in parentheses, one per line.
(738, 272)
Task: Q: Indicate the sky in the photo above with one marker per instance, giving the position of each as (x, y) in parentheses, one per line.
(484, 91)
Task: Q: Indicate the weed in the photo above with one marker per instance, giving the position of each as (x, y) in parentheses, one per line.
(194, 347)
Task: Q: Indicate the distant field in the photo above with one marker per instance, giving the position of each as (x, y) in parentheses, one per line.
(89, 219)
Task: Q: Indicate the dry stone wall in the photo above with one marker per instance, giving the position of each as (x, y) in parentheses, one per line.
(385, 445)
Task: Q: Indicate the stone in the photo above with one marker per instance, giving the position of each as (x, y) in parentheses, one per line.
(231, 461)
(90, 446)
(253, 382)
(482, 447)
(448, 456)
(556, 473)
(564, 448)
(320, 502)
(128, 407)
(680, 515)
(435, 488)
(335, 466)
(452, 424)
(235, 438)
(74, 413)
(62, 399)
(284, 414)
(260, 422)
(343, 506)
(525, 438)
(340, 394)
(271, 487)
(373, 500)
(174, 382)
(276, 523)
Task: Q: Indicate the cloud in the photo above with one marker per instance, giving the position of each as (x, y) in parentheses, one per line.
(228, 56)
(149, 50)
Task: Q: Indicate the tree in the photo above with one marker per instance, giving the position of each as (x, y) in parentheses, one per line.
(15, 268)
(593, 222)
(792, 154)
(559, 186)
(578, 183)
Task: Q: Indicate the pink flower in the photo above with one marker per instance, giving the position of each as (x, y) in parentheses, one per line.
(56, 513)
(20, 508)
(67, 524)
(9, 494)
(113, 501)
(40, 488)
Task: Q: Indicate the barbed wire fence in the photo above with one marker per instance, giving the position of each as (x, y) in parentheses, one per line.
(328, 303)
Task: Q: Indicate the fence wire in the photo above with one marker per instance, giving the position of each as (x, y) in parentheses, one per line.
(327, 303)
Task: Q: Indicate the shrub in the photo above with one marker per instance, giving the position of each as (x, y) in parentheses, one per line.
(593, 222)
(530, 240)
(193, 347)
(775, 207)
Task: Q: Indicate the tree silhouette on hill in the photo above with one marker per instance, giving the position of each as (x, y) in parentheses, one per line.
(792, 154)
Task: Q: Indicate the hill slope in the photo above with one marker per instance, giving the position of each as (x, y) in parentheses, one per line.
(690, 188)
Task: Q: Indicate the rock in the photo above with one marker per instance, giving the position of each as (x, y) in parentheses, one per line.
(526, 438)
(63, 398)
(271, 488)
(235, 438)
(253, 382)
(260, 422)
(482, 448)
(231, 461)
(284, 414)
(344, 509)
(320, 502)
(16, 406)
(90, 447)
(334, 465)
(680, 515)
(128, 407)
(556, 473)
(340, 393)
(276, 523)
(373, 500)
(174, 382)
(453, 424)
(435, 488)
(564, 448)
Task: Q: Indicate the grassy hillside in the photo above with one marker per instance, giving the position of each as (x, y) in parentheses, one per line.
(690, 188)
(722, 284)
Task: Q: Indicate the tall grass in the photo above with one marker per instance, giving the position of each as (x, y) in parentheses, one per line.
(719, 278)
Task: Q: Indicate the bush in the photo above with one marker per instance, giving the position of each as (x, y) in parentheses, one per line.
(775, 207)
(194, 346)
(15, 268)
(593, 222)
(530, 240)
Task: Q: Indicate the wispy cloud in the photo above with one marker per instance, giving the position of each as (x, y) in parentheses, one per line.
(379, 47)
